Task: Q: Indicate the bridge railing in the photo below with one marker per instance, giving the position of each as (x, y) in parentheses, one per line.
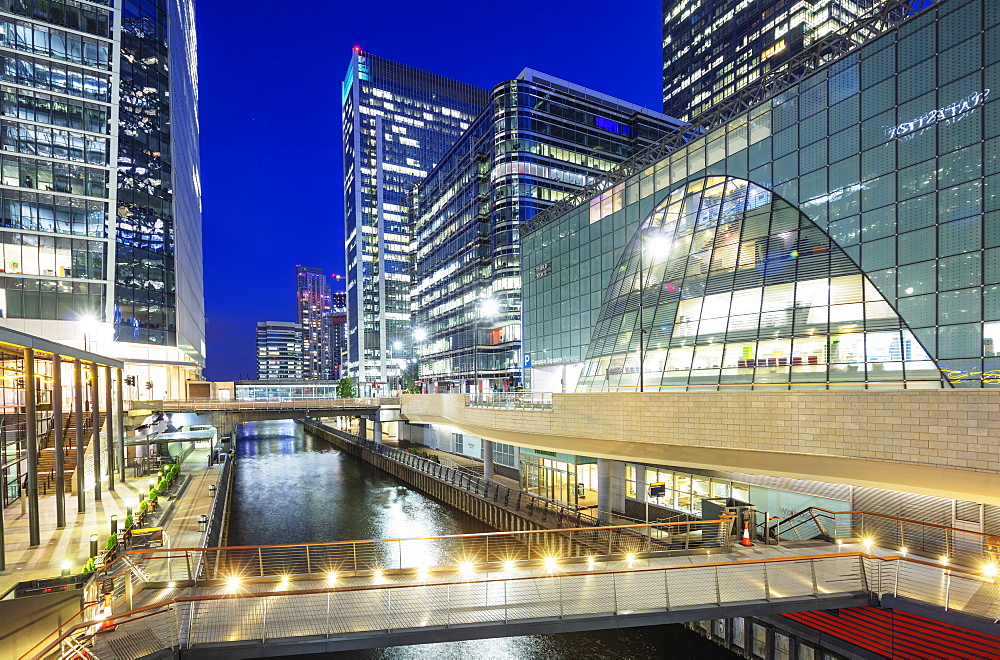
(355, 557)
(533, 506)
(510, 400)
(239, 405)
(260, 612)
(892, 532)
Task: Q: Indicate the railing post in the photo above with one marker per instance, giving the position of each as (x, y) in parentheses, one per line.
(260, 561)
(399, 548)
(308, 563)
(947, 590)
(812, 570)
(263, 624)
(895, 585)
(666, 591)
(767, 586)
(718, 590)
(328, 631)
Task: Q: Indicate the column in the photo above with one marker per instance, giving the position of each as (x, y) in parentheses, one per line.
(95, 398)
(377, 430)
(121, 426)
(604, 489)
(81, 502)
(617, 486)
(57, 432)
(362, 428)
(31, 428)
(109, 413)
(488, 460)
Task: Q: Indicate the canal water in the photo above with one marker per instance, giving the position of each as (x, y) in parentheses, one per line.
(292, 487)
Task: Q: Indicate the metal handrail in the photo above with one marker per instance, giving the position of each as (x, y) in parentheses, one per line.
(887, 531)
(510, 400)
(920, 578)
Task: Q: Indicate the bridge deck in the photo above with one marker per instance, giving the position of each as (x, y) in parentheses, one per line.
(405, 607)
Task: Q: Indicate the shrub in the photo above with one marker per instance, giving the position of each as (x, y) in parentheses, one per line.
(143, 505)
(435, 458)
(129, 521)
(89, 567)
(153, 493)
(163, 485)
(112, 541)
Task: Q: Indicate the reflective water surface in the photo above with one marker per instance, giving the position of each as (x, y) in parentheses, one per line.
(292, 487)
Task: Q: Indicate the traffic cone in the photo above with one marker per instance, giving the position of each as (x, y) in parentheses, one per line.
(745, 541)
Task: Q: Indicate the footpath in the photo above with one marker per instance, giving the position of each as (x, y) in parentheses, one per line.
(71, 544)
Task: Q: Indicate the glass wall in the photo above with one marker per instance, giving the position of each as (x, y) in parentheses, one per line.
(892, 154)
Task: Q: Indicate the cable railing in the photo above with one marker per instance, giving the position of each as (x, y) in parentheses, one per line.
(367, 556)
(932, 540)
(257, 613)
(510, 400)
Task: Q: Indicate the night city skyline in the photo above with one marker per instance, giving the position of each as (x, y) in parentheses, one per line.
(260, 220)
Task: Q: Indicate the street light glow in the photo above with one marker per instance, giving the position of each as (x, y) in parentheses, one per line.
(489, 307)
(419, 334)
(657, 245)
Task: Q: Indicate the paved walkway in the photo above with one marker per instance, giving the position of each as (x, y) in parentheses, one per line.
(72, 543)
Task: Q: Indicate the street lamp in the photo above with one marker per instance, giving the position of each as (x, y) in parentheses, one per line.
(488, 308)
(658, 246)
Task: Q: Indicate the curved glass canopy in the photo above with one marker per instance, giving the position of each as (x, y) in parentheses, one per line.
(728, 286)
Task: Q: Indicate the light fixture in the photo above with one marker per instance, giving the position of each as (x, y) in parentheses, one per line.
(233, 582)
(465, 568)
(990, 570)
(630, 558)
(550, 563)
(331, 576)
(508, 566)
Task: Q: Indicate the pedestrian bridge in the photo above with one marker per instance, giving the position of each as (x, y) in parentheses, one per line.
(313, 598)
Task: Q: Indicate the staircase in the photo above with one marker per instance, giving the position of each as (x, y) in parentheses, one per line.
(47, 452)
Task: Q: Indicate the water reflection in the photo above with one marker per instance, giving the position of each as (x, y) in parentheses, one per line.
(292, 487)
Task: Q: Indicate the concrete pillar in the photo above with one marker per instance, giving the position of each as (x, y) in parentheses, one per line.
(109, 413)
(95, 399)
(377, 430)
(617, 486)
(81, 502)
(488, 460)
(604, 489)
(362, 428)
(57, 434)
(31, 428)
(120, 426)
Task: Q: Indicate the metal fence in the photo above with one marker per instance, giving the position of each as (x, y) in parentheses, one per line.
(285, 612)
(229, 404)
(510, 400)
(892, 532)
(473, 550)
(526, 503)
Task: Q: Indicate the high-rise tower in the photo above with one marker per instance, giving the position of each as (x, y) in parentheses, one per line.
(712, 48)
(398, 121)
(313, 300)
(100, 191)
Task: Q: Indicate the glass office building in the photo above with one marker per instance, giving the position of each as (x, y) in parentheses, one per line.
(398, 121)
(844, 233)
(279, 350)
(100, 192)
(540, 138)
(713, 48)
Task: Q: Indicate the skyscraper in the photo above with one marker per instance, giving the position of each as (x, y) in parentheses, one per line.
(398, 121)
(712, 48)
(279, 350)
(100, 191)
(313, 300)
(338, 326)
(467, 282)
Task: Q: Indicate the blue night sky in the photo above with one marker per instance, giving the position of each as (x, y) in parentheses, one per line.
(270, 121)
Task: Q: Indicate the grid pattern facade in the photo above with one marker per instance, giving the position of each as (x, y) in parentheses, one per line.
(712, 49)
(313, 299)
(57, 72)
(539, 139)
(726, 284)
(398, 121)
(279, 350)
(893, 151)
(88, 213)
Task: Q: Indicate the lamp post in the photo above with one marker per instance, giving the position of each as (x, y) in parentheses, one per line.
(488, 308)
(658, 246)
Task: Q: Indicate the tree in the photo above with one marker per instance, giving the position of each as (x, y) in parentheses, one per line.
(411, 374)
(347, 388)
